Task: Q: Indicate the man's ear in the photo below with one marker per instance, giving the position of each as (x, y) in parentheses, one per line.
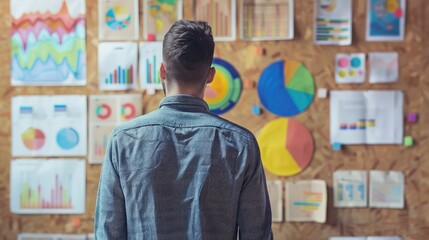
(163, 72)
(212, 73)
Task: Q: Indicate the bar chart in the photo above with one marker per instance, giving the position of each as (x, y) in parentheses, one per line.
(267, 19)
(150, 63)
(220, 14)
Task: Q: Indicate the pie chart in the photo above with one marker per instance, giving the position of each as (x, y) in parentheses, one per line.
(287, 147)
(67, 138)
(223, 93)
(286, 88)
(33, 138)
(118, 18)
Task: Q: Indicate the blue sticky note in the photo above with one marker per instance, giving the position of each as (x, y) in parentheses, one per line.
(256, 110)
(336, 146)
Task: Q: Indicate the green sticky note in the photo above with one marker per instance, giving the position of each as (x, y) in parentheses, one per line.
(408, 141)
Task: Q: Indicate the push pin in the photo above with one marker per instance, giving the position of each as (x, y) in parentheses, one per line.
(249, 84)
(412, 117)
(408, 141)
(256, 110)
(151, 37)
(336, 146)
(322, 93)
(260, 51)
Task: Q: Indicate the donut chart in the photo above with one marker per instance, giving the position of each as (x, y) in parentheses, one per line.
(67, 138)
(128, 111)
(286, 88)
(287, 147)
(33, 138)
(103, 111)
(224, 92)
(118, 18)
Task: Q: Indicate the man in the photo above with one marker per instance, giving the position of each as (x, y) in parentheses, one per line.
(181, 172)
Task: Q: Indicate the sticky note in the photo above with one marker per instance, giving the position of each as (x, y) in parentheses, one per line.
(249, 84)
(151, 37)
(412, 117)
(322, 93)
(260, 51)
(408, 141)
(336, 146)
(256, 110)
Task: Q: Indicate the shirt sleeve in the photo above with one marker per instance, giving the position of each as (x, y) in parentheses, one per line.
(254, 210)
(110, 215)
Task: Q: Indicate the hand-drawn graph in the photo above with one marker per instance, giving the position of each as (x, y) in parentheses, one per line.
(267, 19)
(160, 15)
(221, 16)
(150, 62)
(118, 19)
(47, 186)
(48, 42)
(117, 65)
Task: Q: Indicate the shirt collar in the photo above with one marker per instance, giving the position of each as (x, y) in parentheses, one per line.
(185, 103)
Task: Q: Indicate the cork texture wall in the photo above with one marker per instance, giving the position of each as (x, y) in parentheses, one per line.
(412, 222)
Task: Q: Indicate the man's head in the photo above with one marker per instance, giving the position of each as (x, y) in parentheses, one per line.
(187, 56)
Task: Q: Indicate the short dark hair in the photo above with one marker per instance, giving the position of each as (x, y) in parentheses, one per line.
(188, 50)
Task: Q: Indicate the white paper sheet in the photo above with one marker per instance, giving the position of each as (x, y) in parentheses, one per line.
(383, 67)
(117, 65)
(275, 191)
(49, 125)
(263, 20)
(350, 68)
(333, 22)
(150, 62)
(350, 189)
(366, 117)
(43, 236)
(159, 16)
(385, 238)
(385, 20)
(39, 186)
(306, 201)
(43, 55)
(386, 189)
(118, 20)
(105, 113)
(347, 238)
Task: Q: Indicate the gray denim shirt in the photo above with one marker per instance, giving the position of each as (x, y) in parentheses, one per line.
(181, 172)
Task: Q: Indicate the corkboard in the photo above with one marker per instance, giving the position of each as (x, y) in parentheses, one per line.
(412, 222)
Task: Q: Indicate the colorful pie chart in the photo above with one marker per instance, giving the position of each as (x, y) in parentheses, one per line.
(103, 111)
(33, 138)
(224, 92)
(118, 18)
(128, 111)
(287, 147)
(67, 138)
(286, 88)
(328, 5)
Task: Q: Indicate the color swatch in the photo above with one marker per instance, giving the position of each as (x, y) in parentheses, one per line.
(286, 88)
(287, 147)
(224, 92)
(48, 43)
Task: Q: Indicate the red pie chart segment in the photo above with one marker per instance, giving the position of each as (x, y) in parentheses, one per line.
(299, 143)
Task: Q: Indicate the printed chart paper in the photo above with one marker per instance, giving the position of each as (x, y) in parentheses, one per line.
(350, 189)
(117, 65)
(160, 15)
(106, 112)
(350, 68)
(306, 201)
(348, 238)
(384, 67)
(385, 20)
(386, 189)
(367, 117)
(275, 191)
(48, 42)
(221, 16)
(47, 186)
(267, 20)
(49, 125)
(42, 236)
(333, 22)
(385, 238)
(118, 19)
(150, 64)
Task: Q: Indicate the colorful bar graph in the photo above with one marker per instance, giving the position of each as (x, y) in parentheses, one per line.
(266, 19)
(100, 147)
(218, 13)
(121, 76)
(33, 198)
